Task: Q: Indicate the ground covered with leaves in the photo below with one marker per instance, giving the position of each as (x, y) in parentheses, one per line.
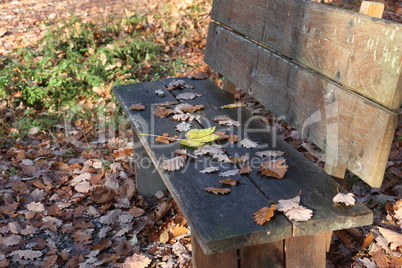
(67, 183)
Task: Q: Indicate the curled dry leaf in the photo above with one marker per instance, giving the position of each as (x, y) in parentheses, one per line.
(183, 127)
(229, 173)
(186, 116)
(198, 76)
(346, 199)
(246, 169)
(187, 96)
(191, 108)
(164, 138)
(241, 159)
(178, 84)
(270, 153)
(229, 181)
(137, 107)
(209, 170)
(174, 163)
(394, 238)
(234, 105)
(287, 204)
(229, 123)
(222, 158)
(212, 149)
(274, 169)
(247, 143)
(264, 214)
(299, 213)
(233, 138)
(218, 190)
(162, 112)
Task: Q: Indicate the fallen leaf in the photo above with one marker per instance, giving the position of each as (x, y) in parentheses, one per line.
(33, 131)
(186, 116)
(288, 204)
(212, 149)
(229, 173)
(159, 93)
(299, 213)
(164, 138)
(229, 123)
(247, 143)
(184, 152)
(162, 112)
(178, 84)
(380, 258)
(218, 190)
(137, 261)
(36, 207)
(198, 76)
(222, 158)
(123, 153)
(137, 107)
(10, 240)
(191, 108)
(229, 182)
(274, 169)
(183, 127)
(270, 153)
(198, 137)
(209, 170)
(27, 254)
(246, 169)
(241, 159)
(264, 214)
(346, 199)
(187, 96)
(233, 138)
(234, 105)
(174, 163)
(394, 238)
(83, 187)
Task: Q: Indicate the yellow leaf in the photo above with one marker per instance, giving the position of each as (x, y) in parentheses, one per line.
(233, 105)
(264, 214)
(198, 137)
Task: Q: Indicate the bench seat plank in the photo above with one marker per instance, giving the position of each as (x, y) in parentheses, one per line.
(363, 130)
(225, 222)
(361, 52)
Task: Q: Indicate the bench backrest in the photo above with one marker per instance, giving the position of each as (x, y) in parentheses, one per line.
(334, 74)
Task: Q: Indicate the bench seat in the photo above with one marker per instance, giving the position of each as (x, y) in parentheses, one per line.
(225, 222)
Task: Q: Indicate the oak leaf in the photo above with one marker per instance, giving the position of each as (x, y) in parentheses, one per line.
(186, 116)
(212, 149)
(270, 153)
(246, 169)
(209, 170)
(229, 181)
(162, 112)
(137, 261)
(178, 84)
(233, 105)
(233, 138)
(394, 238)
(27, 254)
(36, 207)
(183, 127)
(137, 107)
(299, 213)
(175, 163)
(164, 138)
(288, 204)
(218, 190)
(229, 123)
(198, 76)
(346, 199)
(229, 173)
(241, 159)
(264, 214)
(274, 169)
(222, 158)
(187, 96)
(247, 143)
(187, 108)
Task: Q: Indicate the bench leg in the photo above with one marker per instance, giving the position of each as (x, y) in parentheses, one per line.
(147, 177)
(305, 251)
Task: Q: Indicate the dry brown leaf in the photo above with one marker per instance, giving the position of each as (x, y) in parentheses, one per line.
(175, 163)
(238, 160)
(394, 238)
(218, 190)
(183, 127)
(209, 170)
(274, 169)
(137, 261)
(229, 123)
(27, 254)
(229, 181)
(264, 214)
(233, 138)
(178, 230)
(164, 138)
(380, 258)
(60, 166)
(246, 169)
(299, 213)
(137, 107)
(346, 199)
(229, 173)
(367, 241)
(36, 207)
(288, 204)
(247, 143)
(178, 84)
(234, 105)
(187, 96)
(270, 153)
(192, 108)
(161, 210)
(162, 112)
(198, 76)
(123, 153)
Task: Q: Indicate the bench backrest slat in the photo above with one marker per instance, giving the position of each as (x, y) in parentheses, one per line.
(361, 52)
(354, 131)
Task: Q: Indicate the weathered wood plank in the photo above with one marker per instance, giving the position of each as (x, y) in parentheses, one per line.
(306, 251)
(215, 218)
(355, 132)
(374, 9)
(361, 52)
(267, 255)
(316, 186)
(227, 259)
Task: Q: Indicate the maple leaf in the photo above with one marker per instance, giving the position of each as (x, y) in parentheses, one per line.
(174, 163)
(299, 213)
(346, 199)
(209, 170)
(162, 112)
(164, 138)
(229, 182)
(270, 153)
(246, 169)
(274, 169)
(264, 214)
(229, 173)
(247, 143)
(182, 127)
(288, 204)
(233, 105)
(187, 96)
(137, 107)
(218, 190)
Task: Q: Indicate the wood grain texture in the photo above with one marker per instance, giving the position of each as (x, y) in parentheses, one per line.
(267, 255)
(355, 132)
(374, 9)
(306, 251)
(361, 52)
(227, 259)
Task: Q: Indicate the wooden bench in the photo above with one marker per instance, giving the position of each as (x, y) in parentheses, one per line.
(333, 74)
